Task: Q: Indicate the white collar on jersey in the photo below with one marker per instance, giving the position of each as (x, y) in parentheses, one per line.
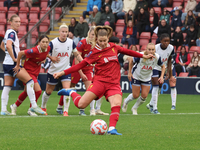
(40, 50)
(99, 48)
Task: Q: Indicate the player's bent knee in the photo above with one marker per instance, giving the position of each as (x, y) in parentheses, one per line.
(136, 96)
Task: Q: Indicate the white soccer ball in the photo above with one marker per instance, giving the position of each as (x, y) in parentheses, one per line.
(98, 127)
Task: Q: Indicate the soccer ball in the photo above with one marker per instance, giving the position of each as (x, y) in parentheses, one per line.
(98, 127)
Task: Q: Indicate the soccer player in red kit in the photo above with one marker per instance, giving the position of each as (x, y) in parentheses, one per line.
(107, 75)
(32, 64)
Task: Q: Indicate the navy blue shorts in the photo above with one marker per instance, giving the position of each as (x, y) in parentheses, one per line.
(138, 82)
(157, 73)
(52, 81)
(8, 70)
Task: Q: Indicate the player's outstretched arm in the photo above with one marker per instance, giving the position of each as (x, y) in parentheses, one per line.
(161, 79)
(17, 67)
(72, 69)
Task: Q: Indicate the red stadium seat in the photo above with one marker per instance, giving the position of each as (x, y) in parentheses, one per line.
(143, 48)
(21, 34)
(21, 3)
(195, 48)
(193, 76)
(43, 12)
(23, 26)
(153, 41)
(175, 4)
(119, 29)
(2, 24)
(120, 22)
(145, 35)
(58, 12)
(3, 12)
(183, 74)
(1, 4)
(23, 46)
(41, 70)
(44, 26)
(177, 0)
(158, 10)
(43, 4)
(34, 13)
(120, 35)
(12, 11)
(143, 41)
(169, 8)
(23, 12)
(2, 33)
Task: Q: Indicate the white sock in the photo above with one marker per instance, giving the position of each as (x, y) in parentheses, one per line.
(5, 97)
(154, 97)
(45, 98)
(98, 104)
(111, 128)
(173, 95)
(139, 102)
(66, 102)
(92, 105)
(31, 93)
(129, 98)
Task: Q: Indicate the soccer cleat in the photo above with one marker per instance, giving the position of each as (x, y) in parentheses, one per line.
(4, 113)
(65, 114)
(30, 113)
(44, 109)
(65, 92)
(124, 106)
(113, 132)
(99, 112)
(150, 107)
(173, 107)
(82, 113)
(155, 112)
(38, 110)
(59, 110)
(92, 112)
(13, 110)
(134, 110)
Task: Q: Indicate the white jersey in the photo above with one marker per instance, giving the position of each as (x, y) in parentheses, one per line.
(63, 50)
(11, 35)
(164, 54)
(142, 70)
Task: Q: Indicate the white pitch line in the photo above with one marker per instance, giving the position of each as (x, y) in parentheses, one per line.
(54, 116)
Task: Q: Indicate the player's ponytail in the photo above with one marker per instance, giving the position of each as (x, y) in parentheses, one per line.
(102, 31)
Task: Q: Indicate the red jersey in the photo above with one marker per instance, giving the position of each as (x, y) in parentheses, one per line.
(33, 57)
(107, 67)
(85, 48)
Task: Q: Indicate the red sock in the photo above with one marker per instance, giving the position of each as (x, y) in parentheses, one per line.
(114, 116)
(21, 98)
(37, 95)
(75, 97)
(61, 100)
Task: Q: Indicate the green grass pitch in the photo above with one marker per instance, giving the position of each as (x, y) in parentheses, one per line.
(171, 130)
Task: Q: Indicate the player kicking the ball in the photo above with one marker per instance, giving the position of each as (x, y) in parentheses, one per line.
(107, 75)
(140, 77)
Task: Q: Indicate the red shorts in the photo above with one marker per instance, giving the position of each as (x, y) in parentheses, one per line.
(104, 89)
(75, 77)
(33, 77)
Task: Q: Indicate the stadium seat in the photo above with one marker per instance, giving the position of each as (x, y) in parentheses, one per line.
(175, 4)
(44, 26)
(145, 35)
(1, 4)
(179, 49)
(23, 26)
(2, 24)
(21, 3)
(34, 11)
(193, 76)
(23, 46)
(12, 11)
(158, 10)
(43, 4)
(23, 12)
(2, 33)
(120, 22)
(183, 74)
(3, 12)
(41, 70)
(119, 35)
(178, 1)
(119, 29)
(143, 41)
(43, 12)
(194, 48)
(21, 34)
(143, 48)
(58, 12)
(169, 8)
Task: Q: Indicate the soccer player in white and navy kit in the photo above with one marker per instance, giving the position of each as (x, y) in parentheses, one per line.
(140, 77)
(10, 45)
(166, 51)
(61, 47)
